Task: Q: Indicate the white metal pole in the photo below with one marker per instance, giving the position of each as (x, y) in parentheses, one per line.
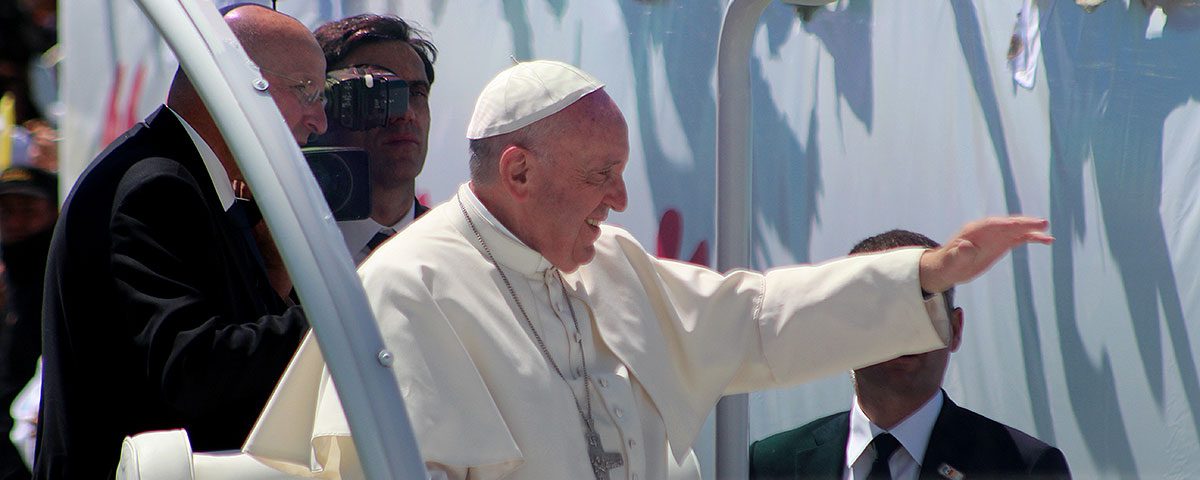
(334, 301)
(733, 200)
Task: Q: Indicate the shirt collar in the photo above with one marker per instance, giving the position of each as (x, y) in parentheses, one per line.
(506, 247)
(357, 233)
(913, 432)
(216, 172)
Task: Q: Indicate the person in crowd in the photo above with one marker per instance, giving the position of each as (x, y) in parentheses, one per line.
(160, 310)
(902, 425)
(43, 145)
(384, 44)
(534, 341)
(28, 210)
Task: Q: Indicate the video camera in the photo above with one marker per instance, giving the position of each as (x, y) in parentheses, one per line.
(342, 174)
(364, 97)
(358, 98)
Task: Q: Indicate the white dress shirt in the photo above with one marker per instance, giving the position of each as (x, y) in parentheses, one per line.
(216, 171)
(912, 433)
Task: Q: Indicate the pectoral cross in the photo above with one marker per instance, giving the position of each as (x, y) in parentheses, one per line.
(602, 461)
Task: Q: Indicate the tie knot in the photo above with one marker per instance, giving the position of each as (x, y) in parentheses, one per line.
(379, 237)
(885, 445)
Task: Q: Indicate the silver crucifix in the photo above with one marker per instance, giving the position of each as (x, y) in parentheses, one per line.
(602, 461)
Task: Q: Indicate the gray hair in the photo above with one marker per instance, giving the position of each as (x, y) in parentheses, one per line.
(485, 152)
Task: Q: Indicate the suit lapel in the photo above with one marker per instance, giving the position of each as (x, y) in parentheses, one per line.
(826, 455)
(172, 141)
(945, 442)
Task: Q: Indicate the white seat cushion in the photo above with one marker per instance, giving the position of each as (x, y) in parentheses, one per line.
(163, 455)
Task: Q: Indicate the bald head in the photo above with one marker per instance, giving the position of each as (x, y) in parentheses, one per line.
(271, 39)
(289, 58)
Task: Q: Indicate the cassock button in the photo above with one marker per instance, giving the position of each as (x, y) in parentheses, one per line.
(618, 412)
(578, 338)
(632, 443)
(603, 382)
(578, 372)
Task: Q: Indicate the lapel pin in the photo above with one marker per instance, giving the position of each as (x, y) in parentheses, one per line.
(950, 472)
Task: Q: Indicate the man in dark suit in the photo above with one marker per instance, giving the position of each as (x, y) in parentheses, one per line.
(163, 310)
(384, 45)
(902, 424)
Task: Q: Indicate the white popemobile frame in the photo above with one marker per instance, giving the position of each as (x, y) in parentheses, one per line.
(733, 198)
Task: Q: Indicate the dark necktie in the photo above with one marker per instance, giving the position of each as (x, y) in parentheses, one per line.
(379, 237)
(885, 445)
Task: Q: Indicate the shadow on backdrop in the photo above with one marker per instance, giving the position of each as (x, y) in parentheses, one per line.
(667, 32)
(970, 39)
(1111, 90)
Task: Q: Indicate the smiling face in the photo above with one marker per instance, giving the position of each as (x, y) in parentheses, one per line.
(397, 150)
(575, 180)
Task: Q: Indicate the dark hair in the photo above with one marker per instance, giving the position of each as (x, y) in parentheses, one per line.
(340, 37)
(897, 239)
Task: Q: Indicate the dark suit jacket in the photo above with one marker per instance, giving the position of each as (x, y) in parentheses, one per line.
(975, 445)
(158, 311)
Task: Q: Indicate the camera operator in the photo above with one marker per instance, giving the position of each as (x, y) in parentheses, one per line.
(375, 55)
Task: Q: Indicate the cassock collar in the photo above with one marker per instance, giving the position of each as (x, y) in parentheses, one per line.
(506, 247)
(216, 172)
(913, 432)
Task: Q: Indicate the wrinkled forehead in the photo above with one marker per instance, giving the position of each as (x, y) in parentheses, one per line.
(594, 116)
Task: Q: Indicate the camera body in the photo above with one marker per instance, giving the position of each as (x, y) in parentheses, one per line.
(361, 98)
(343, 175)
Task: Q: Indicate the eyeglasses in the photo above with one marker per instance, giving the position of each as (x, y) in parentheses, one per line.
(308, 92)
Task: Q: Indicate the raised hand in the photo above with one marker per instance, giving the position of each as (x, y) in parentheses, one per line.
(976, 247)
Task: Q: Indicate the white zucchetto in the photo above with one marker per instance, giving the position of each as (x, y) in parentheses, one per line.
(525, 93)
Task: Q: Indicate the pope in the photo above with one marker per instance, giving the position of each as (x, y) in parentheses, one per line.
(533, 341)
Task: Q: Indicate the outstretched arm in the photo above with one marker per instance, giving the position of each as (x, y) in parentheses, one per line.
(976, 247)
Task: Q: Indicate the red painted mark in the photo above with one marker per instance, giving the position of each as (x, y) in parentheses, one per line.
(111, 122)
(670, 239)
(117, 121)
(135, 92)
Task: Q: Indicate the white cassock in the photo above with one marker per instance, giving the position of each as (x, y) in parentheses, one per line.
(662, 340)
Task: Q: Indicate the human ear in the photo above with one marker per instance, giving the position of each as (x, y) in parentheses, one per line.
(514, 168)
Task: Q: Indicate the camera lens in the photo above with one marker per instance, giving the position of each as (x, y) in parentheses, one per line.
(334, 177)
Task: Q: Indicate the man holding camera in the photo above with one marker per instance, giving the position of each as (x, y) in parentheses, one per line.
(163, 308)
(384, 54)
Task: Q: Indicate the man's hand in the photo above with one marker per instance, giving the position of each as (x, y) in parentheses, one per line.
(976, 247)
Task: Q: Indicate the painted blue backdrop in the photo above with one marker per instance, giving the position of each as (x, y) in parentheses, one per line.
(868, 116)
